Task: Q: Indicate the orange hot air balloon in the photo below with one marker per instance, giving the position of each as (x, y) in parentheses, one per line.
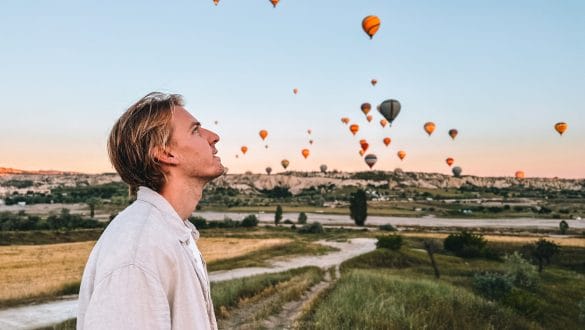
(366, 107)
(519, 175)
(263, 134)
(374, 82)
(453, 133)
(274, 2)
(383, 122)
(305, 153)
(354, 128)
(429, 127)
(387, 141)
(371, 24)
(449, 161)
(244, 149)
(401, 154)
(345, 120)
(362, 152)
(369, 118)
(216, 2)
(364, 144)
(284, 163)
(295, 91)
(561, 127)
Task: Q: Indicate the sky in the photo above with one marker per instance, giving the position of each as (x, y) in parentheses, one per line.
(501, 72)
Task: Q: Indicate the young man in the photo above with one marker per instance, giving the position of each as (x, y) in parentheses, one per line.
(145, 271)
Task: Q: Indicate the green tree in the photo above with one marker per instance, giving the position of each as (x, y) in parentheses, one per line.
(92, 202)
(563, 227)
(302, 218)
(358, 207)
(542, 251)
(278, 215)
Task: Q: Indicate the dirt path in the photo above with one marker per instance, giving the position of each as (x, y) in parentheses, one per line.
(41, 315)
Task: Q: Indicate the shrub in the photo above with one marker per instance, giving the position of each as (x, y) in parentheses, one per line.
(277, 215)
(465, 244)
(302, 218)
(520, 271)
(563, 227)
(542, 251)
(387, 227)
(288, 222)
(198, 222)
(313, 228)
(581, 306)
(250, 221)
(358, 207)
(492, 286)
(392, 242)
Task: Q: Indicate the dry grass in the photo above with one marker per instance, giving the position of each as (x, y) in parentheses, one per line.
(562, 241)
(28, 271)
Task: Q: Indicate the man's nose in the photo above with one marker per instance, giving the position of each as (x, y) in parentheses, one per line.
(212, 137)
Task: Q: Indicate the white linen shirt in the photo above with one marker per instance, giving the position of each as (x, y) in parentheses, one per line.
(141, 274)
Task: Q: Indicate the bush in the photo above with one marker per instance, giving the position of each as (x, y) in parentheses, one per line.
(581, 306)
(288, 222)
(198, 222)
(387, 227)
(302, 218)
(392, 242)
(313, 228)
(250, 221)
(492, 286)
(465, 244)
(563, 227)
(520, 271)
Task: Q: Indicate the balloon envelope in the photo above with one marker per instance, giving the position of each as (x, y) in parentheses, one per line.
(244, 149)
(561, 127)
(284, 163)
(371, 159)
(354, 128)
(387, 141)
(453, 133)
(323, 168)
(519, 174)
(305, 153)
(374, 82)
(366, 107)
(457, 171)
(383, 122)
(345, 120)
(268, 170)
(390, 109)
(274, 2)
(295, 90)
(401, 154)
(371, 24)
(429, 127)
(449, 161)
(263, 134)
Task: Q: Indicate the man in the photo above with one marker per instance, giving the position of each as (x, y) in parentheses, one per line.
(145, 271)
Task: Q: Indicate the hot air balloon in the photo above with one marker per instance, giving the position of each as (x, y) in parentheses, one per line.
(295, 91)
(519, 175)
(369, 118)
(216, 122)
(310, 141)
(216, 2)
(354, 128)
(345, 120)
(305, 153)
(390, 109)
(361, 152)
(401, 154)
(453, 133)
(561, 127)
(284, 163)
(387, 141)
(371, 24)
(374, 82)
(364, 144)
(263, 134)
(366, 107)
(268, 170)
(383, 122)
(323, 168)
(244, 149)
(265, 146)
(457, 171)
(449, 161)
(237, 156)
(309, 131)
(429, 127)
(371, 159)
(274, 2)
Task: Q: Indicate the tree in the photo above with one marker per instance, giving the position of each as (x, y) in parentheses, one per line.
(302, 218)
(431, 247)
(92, 202)
(358, 207)
(563, 227)
(542, 251)
(278, 215)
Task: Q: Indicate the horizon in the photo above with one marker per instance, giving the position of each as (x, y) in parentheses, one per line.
(501, 73)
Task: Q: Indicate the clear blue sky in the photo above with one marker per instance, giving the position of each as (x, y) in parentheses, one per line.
(502, 73)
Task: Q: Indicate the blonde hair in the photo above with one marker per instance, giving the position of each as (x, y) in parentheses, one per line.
(145, 126)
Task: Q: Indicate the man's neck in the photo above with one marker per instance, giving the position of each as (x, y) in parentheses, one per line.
(183, 195)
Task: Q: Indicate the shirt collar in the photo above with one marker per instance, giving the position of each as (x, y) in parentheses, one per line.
(170, 215)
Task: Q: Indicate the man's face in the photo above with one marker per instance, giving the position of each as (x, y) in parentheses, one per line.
(194, 147)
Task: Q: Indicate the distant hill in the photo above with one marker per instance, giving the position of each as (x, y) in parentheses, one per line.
(7, 170)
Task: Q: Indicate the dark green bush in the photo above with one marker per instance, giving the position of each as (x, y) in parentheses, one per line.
(392, 242)
(465, 244)
(250, 221)
(313, 228)
(198, 222)
(492, 286)
(387, 227)
(302, 218)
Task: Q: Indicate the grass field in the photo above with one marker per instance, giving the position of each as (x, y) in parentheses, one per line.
(562, 241)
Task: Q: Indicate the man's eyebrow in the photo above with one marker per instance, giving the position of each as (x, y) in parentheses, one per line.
(194, 124)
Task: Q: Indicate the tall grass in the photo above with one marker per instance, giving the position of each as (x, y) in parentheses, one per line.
(369, 299)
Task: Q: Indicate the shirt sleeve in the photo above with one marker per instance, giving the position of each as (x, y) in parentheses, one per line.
(129, 298)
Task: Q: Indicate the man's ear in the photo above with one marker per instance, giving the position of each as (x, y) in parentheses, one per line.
(164, 156)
